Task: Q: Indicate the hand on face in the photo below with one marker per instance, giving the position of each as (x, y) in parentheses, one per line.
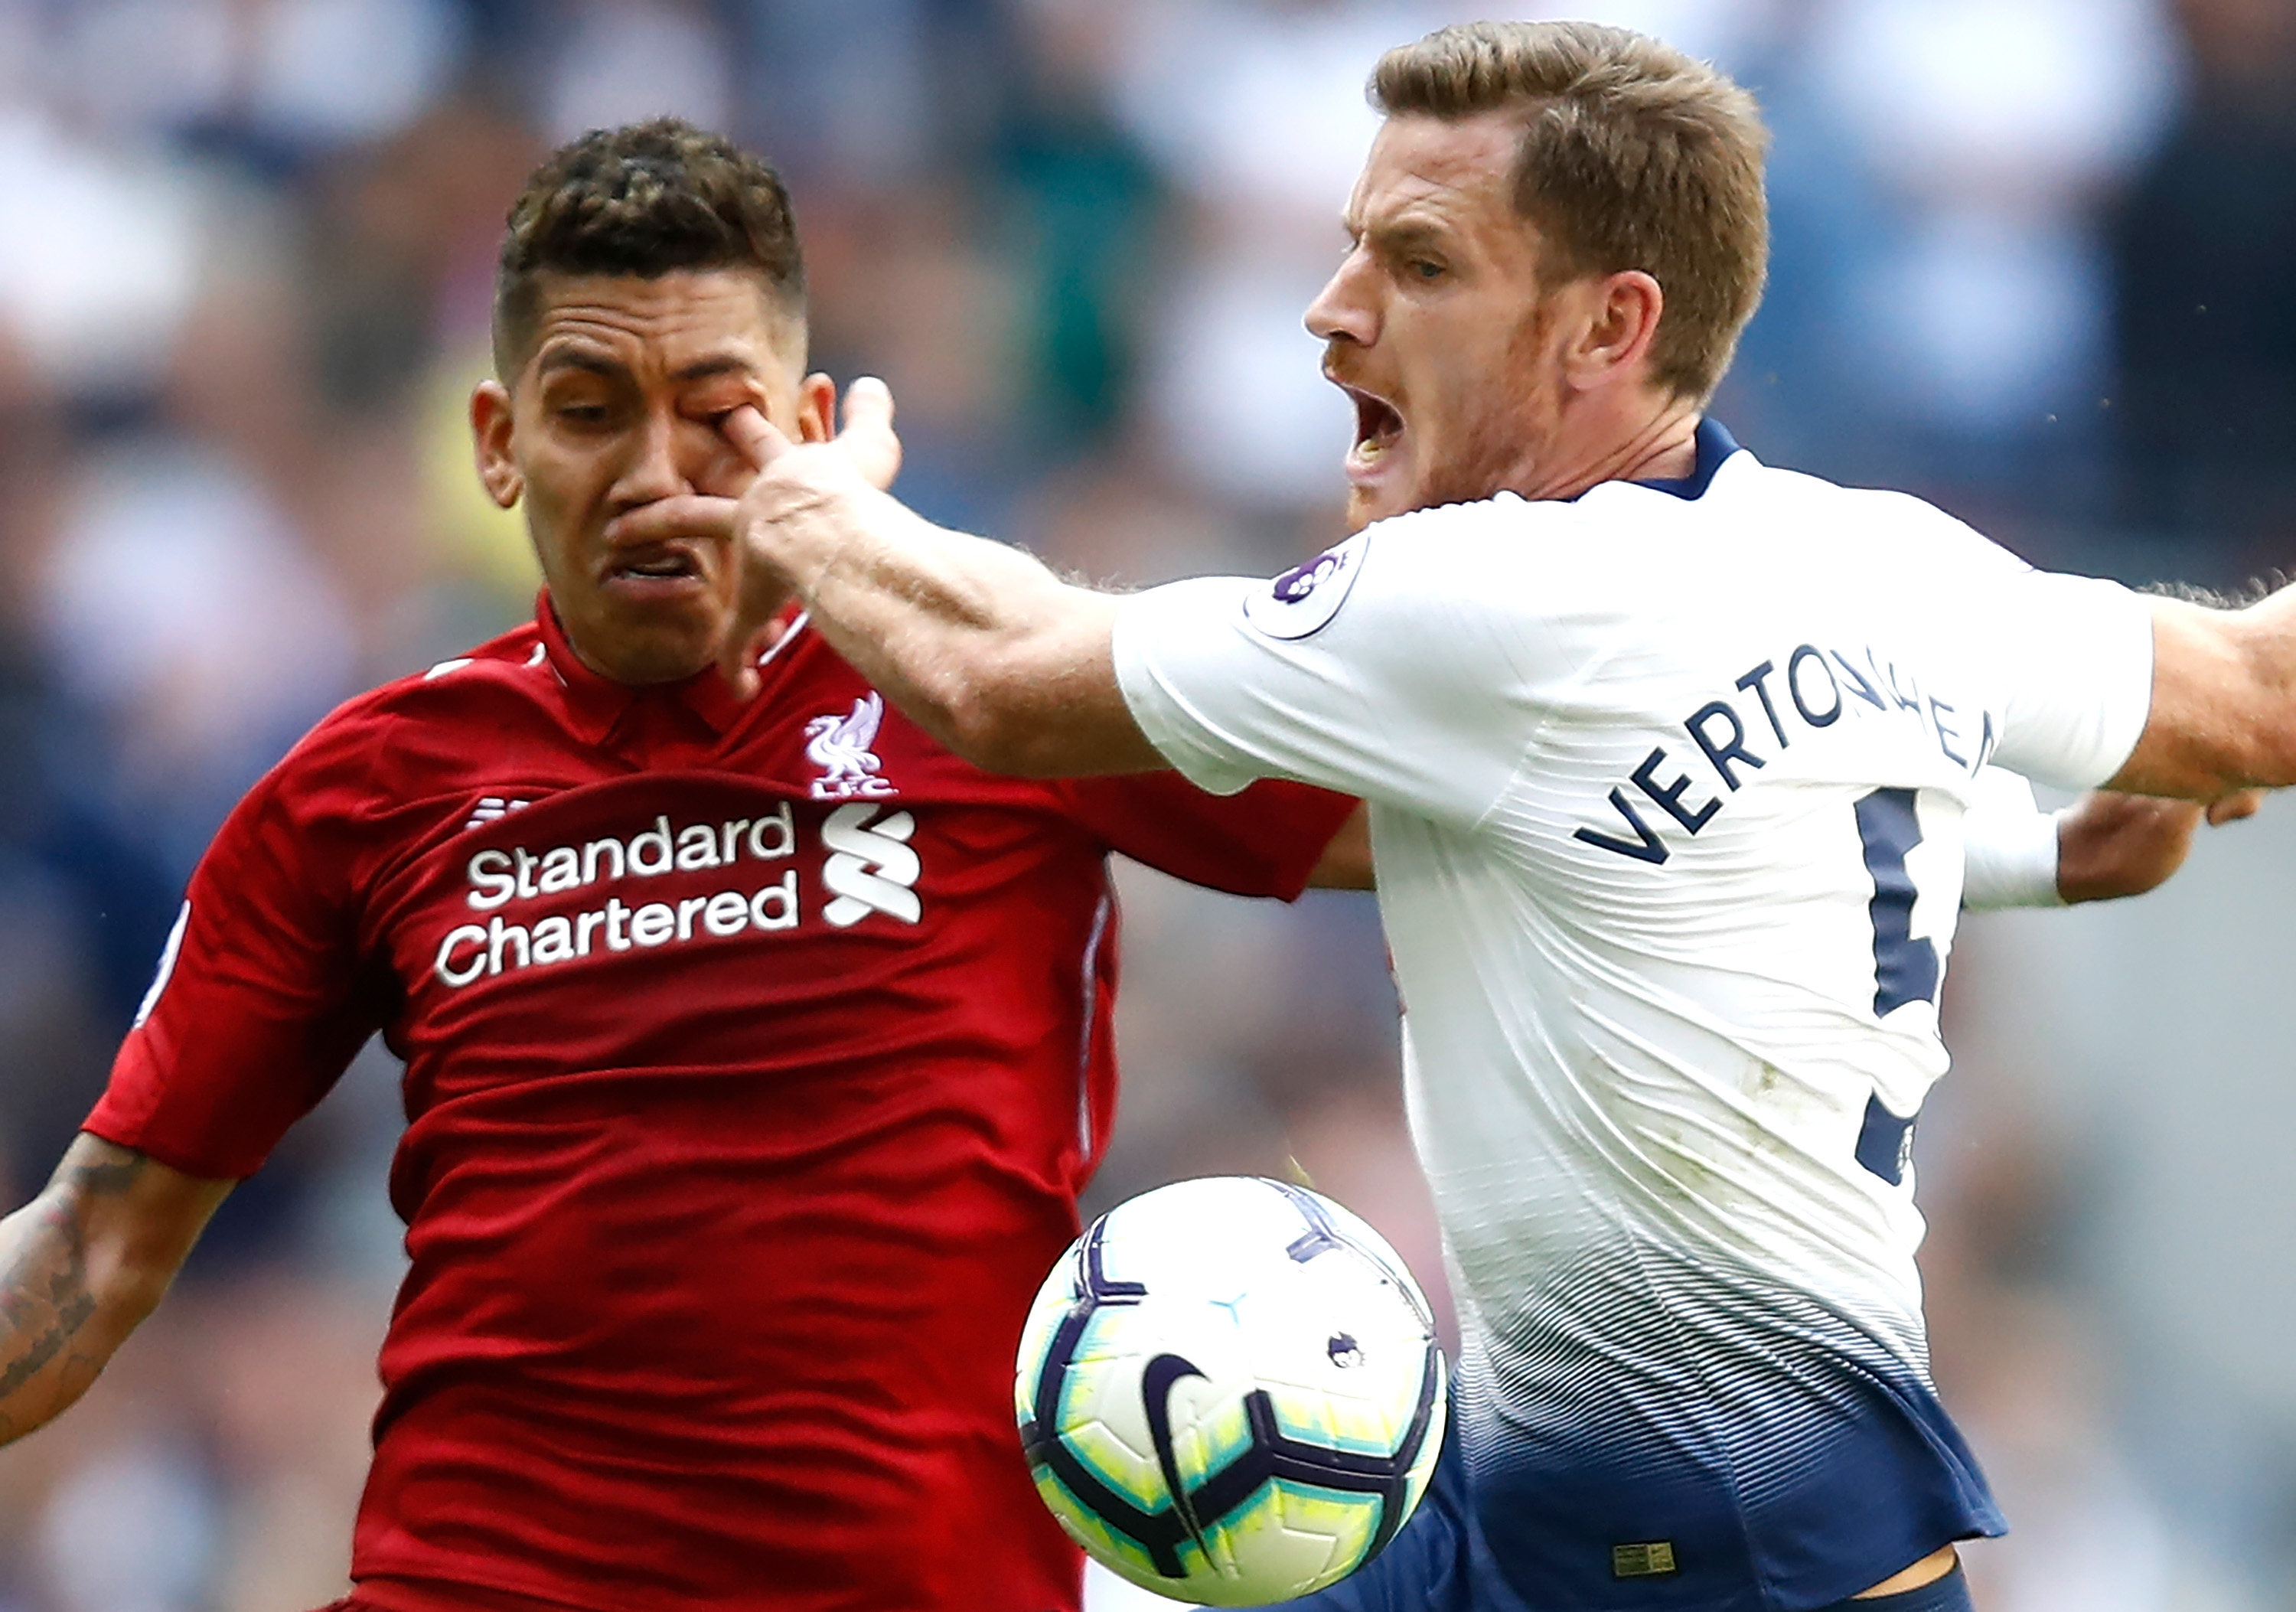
(786, 515)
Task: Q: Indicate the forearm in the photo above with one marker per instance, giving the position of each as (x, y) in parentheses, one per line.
(2115, 845)
(2224, 702)
(80, 1269)
(979, 643)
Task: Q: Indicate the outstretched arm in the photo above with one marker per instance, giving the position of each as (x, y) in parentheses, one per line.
(994, 655)
(2223, 717)
(997, 658)
(81, 1265)
(1014, 670)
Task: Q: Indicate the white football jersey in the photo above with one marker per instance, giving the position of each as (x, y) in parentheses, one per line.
(1667, 785)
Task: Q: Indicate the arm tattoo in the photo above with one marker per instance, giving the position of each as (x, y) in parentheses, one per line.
(44, 1296)
(101, 1177)
(44, 1301)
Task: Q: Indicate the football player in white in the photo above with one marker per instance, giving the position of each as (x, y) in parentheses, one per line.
(1669, 756)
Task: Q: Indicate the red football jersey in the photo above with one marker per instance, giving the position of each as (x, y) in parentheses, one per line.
(754, 1056)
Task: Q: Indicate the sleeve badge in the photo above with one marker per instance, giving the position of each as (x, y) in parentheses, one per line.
(1304, 599)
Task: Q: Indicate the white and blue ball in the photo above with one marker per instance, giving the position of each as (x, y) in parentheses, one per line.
(1230, 1391)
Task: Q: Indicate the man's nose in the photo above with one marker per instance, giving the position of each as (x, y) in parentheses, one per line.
(655, 469)
(1343, 310)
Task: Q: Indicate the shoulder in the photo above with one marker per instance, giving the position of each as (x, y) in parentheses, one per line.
(1880, 523)
(1502, 560)
(1454, 548)
(1501, 524)
(427, 722)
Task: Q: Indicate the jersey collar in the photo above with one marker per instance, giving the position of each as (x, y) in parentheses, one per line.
(1714, 445)
(594, 703)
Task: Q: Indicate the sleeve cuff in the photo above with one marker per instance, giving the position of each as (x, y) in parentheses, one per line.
(2010, 859)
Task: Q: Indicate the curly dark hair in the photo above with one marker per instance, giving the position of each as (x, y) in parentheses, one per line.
(646, 199)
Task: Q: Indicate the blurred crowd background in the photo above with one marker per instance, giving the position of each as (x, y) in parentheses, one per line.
(2035, 259)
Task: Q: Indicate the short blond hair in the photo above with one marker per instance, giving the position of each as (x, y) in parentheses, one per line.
(1633, 156)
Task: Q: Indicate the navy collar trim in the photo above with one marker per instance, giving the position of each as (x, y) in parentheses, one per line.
(1714, 444)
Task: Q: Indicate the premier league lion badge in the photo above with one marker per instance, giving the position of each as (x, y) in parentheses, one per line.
(1305, 598)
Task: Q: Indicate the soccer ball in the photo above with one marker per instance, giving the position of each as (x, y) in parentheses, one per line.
(1230, 1392)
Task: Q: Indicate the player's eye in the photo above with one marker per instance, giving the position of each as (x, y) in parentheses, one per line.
(713, 414)
(1424, 269)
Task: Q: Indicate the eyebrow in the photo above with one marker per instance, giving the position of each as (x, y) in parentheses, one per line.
(1404, 235)
(574, 358)
(720, 363)
(598, 364)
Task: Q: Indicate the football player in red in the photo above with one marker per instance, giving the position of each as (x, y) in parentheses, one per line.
(756, 1052)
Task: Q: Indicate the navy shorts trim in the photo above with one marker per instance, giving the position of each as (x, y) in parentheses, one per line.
(1441, 1562)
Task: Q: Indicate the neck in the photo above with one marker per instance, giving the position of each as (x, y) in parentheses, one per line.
(1658, 442)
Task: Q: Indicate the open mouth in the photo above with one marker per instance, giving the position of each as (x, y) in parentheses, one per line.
(665, 564)
(1379, 425)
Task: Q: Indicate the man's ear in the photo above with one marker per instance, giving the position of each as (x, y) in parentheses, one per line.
(490, 438)
(1620, 314)
(816, 409)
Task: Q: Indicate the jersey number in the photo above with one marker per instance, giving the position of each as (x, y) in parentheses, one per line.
(1905, 969)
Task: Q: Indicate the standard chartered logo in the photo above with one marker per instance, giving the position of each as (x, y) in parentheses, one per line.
(872, 868)
(869, 869)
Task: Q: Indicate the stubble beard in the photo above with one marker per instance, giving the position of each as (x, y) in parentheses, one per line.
(1508, 426)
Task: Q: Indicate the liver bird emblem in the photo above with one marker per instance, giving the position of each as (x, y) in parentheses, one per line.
(839, 745)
